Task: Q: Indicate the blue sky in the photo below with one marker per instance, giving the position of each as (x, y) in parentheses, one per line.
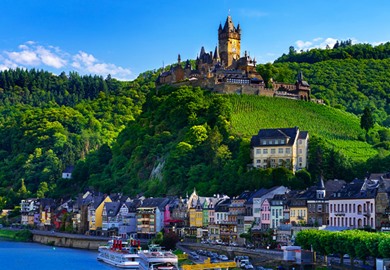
(126, 37)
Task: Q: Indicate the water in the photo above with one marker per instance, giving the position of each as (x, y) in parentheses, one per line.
(31, 256)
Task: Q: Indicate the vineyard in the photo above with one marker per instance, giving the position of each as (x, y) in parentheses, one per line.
(339, 129)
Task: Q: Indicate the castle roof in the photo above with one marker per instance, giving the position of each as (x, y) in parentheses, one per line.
(229, 26)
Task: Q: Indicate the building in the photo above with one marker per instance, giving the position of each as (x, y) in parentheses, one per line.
(227, 71)
(95, 213)
(287, 147)
(277, 206)
(150, 217)
(318, 201)
(67, 173)
(354, 205)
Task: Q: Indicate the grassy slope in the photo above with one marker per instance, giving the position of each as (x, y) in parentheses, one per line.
(341, 129)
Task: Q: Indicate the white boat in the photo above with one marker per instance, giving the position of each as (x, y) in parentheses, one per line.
(157, 259)
(121, 254)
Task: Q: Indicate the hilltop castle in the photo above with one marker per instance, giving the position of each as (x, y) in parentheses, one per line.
(226, 71)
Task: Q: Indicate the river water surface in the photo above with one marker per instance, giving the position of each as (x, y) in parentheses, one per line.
(26, 256)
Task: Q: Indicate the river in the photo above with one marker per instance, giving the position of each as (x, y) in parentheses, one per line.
(31, 256)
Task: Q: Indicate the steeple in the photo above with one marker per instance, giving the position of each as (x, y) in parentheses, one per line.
(178, 58)
(202, 52)
(229, 26)
(321, 192)
(216, 53)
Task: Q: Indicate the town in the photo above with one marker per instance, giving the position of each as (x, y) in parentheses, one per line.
(242, 220)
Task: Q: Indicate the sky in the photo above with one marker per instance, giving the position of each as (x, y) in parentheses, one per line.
(127, 37)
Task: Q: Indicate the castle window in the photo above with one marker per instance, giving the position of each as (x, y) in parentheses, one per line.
(265, 151)
(300, 151)
(300, 141)
(272, 151)
(280, 150)
(258, 161)
(288, 150)
(258, 151)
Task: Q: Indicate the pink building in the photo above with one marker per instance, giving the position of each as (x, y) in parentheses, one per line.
(265, 220)
(354, 205)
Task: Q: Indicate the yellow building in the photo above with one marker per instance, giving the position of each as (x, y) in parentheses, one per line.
(95, 212)
(286, 147)
(196, 217)
(298, 212)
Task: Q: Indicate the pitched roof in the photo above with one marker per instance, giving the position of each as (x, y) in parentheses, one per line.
(112, 208)
(287, 134)
(160, 203)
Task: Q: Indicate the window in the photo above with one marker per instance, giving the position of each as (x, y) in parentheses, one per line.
(258, 161)
(300, 159)
(319, 208)
(280, 161)
(258, 151)
(300, 151)
(280, 150)
(282, 141)
(264, 142)
(288, 150)
(265, 151)
(272, 151)
(300, 141)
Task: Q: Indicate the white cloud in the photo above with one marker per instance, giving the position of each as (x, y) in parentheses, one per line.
(303, 45)
(25, 57)
(318, 43)
(85, 61)
(33, 55)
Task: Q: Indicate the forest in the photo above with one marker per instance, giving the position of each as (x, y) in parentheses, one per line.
(132, 138)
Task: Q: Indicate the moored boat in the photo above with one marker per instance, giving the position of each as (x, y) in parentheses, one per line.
(122, 254)
(157, 259)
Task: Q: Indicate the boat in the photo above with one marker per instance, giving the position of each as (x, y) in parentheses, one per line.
(121, 254)
(155, 258)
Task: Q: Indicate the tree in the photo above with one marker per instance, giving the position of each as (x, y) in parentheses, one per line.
(367, 121)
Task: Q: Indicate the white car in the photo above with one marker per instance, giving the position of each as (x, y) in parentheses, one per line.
(223, 257)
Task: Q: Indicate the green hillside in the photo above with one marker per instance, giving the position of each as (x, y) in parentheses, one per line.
(338, 128)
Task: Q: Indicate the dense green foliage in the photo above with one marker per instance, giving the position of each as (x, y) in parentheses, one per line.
(341, 50)
(355, 243)
(18, 235)
(130, 137)
(49, 122)
(351, 83)
(182, 140)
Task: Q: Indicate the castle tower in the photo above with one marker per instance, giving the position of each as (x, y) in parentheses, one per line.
(229, 40)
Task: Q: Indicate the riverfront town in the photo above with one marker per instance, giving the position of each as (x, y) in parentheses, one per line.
(222, 161)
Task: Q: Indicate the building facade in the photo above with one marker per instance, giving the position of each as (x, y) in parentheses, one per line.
(281, 147)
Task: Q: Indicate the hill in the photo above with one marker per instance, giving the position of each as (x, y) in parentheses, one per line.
(189, 138)
(337, 128)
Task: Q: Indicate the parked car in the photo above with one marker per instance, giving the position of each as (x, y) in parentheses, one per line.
(234, 244)
(223, 258)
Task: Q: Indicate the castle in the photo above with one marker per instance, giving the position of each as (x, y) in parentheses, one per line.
(226, 71)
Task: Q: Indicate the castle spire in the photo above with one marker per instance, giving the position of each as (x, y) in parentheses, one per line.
(216, 53)
(178, 58)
